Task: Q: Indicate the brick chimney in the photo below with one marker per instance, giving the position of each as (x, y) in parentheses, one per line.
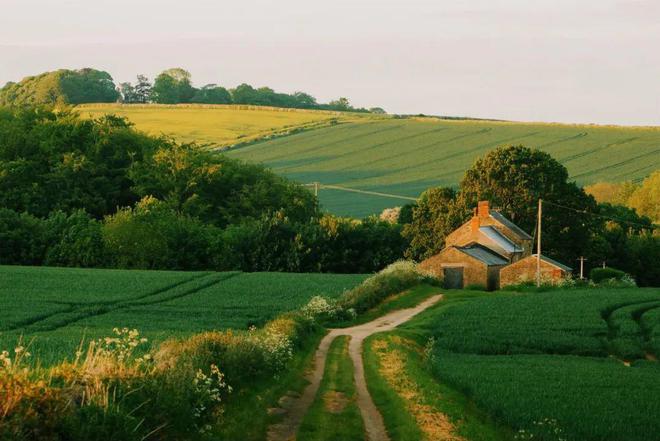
(482, 209)
(474, 225)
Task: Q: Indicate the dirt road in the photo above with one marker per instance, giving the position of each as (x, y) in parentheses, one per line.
(296, 407)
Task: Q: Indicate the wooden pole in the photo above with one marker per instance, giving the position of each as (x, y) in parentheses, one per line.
(538, 247)
(582, 259)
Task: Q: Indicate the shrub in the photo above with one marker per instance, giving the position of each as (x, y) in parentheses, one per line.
(397, 277)
(597, 275)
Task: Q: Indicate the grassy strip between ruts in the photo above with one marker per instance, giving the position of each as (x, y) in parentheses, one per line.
(334, 415)
(414, 405)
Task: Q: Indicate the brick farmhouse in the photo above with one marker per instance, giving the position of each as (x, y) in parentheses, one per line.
(490, 251)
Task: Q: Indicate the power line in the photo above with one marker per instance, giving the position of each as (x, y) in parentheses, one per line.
(355, 190)
(577, 210)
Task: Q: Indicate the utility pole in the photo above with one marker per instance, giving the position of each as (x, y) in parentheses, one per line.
(538, 247)
(582, 259)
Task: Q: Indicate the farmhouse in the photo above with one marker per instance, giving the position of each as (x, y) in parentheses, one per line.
(491, 251)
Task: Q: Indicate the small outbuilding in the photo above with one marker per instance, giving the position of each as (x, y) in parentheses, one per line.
(461, 266)
(525, 270)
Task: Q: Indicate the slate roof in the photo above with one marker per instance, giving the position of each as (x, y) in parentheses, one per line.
(483, 254)
(507, 223)
(504, 242)
(553, 262)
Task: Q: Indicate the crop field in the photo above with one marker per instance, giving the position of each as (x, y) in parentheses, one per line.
(53, 309)
(386, 154)
(406, 156)
(581, 361)
(217, 125)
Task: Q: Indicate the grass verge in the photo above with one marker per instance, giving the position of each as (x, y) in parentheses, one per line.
(334, 415)
(414, 404)
(247, 417)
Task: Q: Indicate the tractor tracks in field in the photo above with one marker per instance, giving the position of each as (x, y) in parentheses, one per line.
(638, 309)
(81, 311)
(296, 407)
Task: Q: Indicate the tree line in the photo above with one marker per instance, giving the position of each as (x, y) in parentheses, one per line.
(98, 193)
(172, 86)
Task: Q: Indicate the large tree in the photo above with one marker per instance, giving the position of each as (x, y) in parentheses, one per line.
(436, 214)
(514, 178)
(173, 86)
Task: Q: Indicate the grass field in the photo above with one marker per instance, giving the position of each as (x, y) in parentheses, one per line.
(386, 154)
(404, 157)
(217, 125)
(55, 308)
(573, 361)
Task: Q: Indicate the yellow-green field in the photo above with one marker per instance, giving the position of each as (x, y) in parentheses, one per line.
(218, 125)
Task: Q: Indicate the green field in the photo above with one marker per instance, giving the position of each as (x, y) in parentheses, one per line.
(406, 156)
(55, 308)
(580, 358)
(217, 125)
(387, 154)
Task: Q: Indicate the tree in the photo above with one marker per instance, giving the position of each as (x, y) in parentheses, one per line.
(174, 173)
(340, 104)
(127, 92)
(436, 214)
(58, 161)
(244, 94)
(142, 89)
(514, 178)
(212, 94)
(173, 86)
(62, 86)
(646, 199)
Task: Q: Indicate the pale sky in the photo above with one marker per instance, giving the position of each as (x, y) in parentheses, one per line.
(587, 61)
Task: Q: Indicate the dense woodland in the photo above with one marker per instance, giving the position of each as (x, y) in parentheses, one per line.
(172, 86)
(98, 193)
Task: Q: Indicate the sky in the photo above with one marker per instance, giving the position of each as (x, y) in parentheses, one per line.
(581, 61)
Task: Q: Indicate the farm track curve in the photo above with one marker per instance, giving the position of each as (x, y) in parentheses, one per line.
(297, 407)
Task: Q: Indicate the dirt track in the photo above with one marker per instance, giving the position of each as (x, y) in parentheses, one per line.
(296, 407)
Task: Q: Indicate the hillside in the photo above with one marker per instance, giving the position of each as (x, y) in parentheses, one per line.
(405, 157)
(391, 155)
(217, 125)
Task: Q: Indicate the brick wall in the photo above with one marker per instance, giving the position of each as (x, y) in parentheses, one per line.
(525, 270)
(474, 271)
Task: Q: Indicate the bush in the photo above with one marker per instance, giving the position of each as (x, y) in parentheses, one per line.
(394, 279)
(152, 236)
(598, 275)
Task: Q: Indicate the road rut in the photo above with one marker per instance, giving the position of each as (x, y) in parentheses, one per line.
(297, 407)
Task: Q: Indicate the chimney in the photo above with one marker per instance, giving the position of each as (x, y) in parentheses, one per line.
(474, 224)
(482, 209)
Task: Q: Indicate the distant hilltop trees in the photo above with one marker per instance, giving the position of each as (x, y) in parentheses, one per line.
(172, 86)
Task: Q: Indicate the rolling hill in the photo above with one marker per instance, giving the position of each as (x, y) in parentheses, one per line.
(400, 156)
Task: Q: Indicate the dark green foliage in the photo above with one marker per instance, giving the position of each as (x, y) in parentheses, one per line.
(211, 94)
(597, 275)
(74, 240)
(56, 161)
(172, 86)
(436, 214)
(21, 238)
(62, 86)
(331, 245)
(514, 178)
